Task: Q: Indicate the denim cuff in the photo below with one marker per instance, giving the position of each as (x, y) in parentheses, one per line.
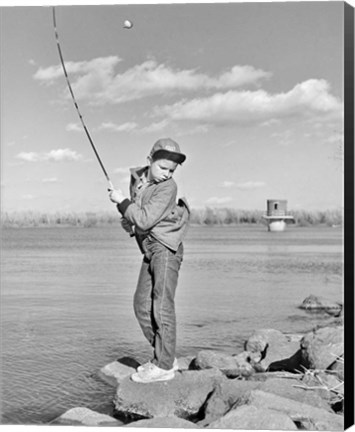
(122, 207)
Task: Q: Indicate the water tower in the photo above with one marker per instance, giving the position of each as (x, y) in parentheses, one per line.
(276, 215)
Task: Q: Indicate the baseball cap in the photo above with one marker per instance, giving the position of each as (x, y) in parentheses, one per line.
(166, 148)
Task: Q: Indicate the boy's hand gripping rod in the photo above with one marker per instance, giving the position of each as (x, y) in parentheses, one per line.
(75, 102)
(111, 187)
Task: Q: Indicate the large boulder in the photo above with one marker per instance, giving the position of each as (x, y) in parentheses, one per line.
(254, 418)
(326, 384)
(116, 371)
(81, 416)
(321, 347)
(163, 422)
(181, 397)
(231, 366)
(304, 415)
(272, 345)
(237, 392)
(320, 304)
(225, 395)
(294, 389)
(113, 373)
(338, 367)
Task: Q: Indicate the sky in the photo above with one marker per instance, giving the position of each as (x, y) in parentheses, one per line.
(252, 92)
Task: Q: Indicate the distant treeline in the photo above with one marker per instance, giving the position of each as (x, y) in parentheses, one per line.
(227, 216)
(206, 216)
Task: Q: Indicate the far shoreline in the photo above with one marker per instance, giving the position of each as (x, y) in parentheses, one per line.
(199, 217)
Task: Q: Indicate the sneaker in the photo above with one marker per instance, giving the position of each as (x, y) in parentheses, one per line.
(149, 364)
(144, 366)
(175, 365)
(153, 374)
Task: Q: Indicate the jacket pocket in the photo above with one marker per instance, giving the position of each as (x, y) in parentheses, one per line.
(182, 203)
(178, 211)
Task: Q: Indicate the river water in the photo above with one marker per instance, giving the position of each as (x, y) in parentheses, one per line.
(66, 303)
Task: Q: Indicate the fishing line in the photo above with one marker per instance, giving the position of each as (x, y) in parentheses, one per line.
(75, 102)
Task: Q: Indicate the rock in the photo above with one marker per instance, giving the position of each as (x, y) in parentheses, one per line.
(181, 397)
(321, 347)
(82, 416)
(115, 372)
(304, 415)
(164, 422)
(294, 337)
(292, 389)
(208, 359)
(292, 364)
(253, 418)
(316, 303)
(326, 384)
(231, 392)
(225, 395)
(338, 367)
(246, 363)
(185, 362)
(272, 346)
(231, 366)
(263, 376)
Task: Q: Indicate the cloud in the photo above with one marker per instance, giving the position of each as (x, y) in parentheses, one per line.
(28, 156)
(239, 76)
(217, 200)
(59, 155)
(124, 127)
(84, 75)
(269, 123)
(134, 127)
(155, 127)
(228, 184)
(74, 127)
(310, 99)
(250, 185)
(28, 197)
(97, 81)
(283, 138)
(197, 129)
(50, 180)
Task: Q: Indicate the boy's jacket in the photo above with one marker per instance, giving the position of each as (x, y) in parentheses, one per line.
(155, 211)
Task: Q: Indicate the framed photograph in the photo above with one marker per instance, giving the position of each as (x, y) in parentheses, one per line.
(177, 215)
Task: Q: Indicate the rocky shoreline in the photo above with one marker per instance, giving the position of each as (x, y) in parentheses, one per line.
(278, 382)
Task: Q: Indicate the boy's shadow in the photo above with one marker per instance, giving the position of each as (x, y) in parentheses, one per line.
(128, 361)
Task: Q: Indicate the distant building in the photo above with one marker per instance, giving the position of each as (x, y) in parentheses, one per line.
(276, 215)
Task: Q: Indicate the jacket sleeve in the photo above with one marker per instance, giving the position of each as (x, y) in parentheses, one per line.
(156, 209)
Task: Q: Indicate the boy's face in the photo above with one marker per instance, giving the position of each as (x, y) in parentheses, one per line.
(161, 169)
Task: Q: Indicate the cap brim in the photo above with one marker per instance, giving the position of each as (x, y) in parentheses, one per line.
(173, 156)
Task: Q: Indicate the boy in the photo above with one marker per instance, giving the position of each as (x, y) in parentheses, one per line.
(159, 225)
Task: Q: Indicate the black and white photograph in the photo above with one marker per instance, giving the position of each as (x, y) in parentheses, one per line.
(177, 215)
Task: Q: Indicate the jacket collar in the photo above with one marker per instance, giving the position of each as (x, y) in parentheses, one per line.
(138, 172)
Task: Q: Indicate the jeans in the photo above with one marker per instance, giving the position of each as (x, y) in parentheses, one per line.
(154, 304)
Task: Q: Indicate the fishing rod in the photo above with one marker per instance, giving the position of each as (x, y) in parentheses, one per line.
(127, 25)
(75, 102)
